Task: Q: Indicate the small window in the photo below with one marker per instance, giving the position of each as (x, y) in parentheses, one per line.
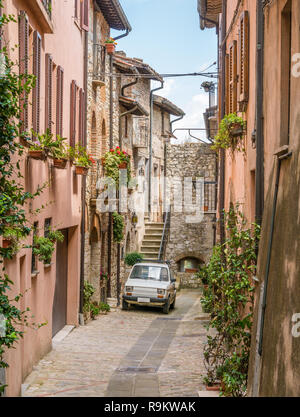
(47, 226)
(189, 265)
(34, 257)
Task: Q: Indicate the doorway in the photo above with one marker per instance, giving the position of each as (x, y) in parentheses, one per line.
(59, 312)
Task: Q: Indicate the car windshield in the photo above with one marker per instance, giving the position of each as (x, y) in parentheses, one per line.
(156, 273)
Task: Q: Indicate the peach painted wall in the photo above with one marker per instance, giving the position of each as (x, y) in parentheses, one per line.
(61, 199)
(239, 184)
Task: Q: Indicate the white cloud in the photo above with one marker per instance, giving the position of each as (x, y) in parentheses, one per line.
(168, 89)
(193, 118)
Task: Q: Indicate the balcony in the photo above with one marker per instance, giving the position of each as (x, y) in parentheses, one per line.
(48, 6)
(141, 133)
(99, 54)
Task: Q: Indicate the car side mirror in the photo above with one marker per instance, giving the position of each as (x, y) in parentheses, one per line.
(173, 280)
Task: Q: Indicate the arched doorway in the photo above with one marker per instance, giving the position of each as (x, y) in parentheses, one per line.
(189, 264)
(95, 242)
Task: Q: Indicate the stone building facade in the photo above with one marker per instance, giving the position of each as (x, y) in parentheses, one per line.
(190, 240)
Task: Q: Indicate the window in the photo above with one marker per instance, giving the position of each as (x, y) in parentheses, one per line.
(59, 100)
(23, 65)
(162, 122)
(286, 57)
(84, 14)
(73, 113)
(189, 265)
(36, 92)
(34, 257)
(48, 92)
(155, 273)
(47, 226)
(244, 60)
(233, 77)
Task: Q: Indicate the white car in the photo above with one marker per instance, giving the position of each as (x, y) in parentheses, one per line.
(150, 283)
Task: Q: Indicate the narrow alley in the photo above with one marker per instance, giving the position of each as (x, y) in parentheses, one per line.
(147, 355)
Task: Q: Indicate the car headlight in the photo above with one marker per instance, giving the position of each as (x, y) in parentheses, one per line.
(128, 289)
(161, 292)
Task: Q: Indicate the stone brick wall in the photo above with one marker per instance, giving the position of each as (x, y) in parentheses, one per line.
(190, 239)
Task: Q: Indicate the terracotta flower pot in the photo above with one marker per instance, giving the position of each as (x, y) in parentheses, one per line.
(236, 130)
(110, 48)
(205, 208)
(213, 388)
(37, 154)
(81, 170)
(6, 243)
(123, 165)
(103, 161)
(59, 163)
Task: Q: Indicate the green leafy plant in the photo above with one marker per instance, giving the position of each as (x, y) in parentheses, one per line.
(225, 138)
(88, 291)
(104, 307)
(118, 227)
(111, 40)
(81, 157)
(133, 258)
(43, 247)
(229, 300)
(55, 235)
(112, 161)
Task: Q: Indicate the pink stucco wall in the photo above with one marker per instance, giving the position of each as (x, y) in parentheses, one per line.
(61, 198)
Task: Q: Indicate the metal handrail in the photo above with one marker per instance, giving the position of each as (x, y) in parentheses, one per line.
(165, 235)
(48, 6)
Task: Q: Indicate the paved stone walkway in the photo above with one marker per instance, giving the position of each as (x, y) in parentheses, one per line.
(138, 353)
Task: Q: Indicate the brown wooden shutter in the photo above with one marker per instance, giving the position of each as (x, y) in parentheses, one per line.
(84, 14)
(23, 66)
(59, 100)
(76, 9)
(37, 44)
(73, 113)
(81, 116)
(48, 93)
(233, 77)
(244, 58)
(227, 84)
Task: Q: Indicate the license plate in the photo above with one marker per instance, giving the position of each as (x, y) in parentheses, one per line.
(144, 300)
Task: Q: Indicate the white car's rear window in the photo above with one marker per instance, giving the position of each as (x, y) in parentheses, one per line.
(155, 273)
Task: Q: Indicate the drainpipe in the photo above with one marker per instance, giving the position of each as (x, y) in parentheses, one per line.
(150, 146)
(83, 190)
(174, 121)
(111, 143)
(259, 186)
(222, 151)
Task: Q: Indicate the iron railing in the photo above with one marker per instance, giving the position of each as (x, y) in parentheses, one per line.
(99, 54)
(48, 6)
(165, 235)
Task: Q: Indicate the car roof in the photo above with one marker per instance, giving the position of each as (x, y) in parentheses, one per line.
(152, 264)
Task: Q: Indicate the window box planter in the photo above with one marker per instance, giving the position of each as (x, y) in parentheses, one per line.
(37, 155)
(81, 170)
(216, 387)
(205, 208)
(236, 130)
(191, 271)
(6, 243)
(110, 48)
(60, 163)
(123, 165)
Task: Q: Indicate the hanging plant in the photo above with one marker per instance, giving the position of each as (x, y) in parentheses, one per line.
(231, 133)
(118, 227)
(113, 161)
(43, 247)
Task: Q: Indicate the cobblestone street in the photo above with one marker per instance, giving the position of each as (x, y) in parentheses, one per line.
(137, 353)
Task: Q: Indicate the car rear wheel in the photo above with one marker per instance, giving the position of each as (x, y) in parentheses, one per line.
(166, 307)
(125, 305)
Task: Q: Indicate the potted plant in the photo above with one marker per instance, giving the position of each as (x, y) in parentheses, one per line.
(110, 45)
(83, 161)
(11, 236)
(58, 152)
(230, 134)
(113, 161)
(37, 151)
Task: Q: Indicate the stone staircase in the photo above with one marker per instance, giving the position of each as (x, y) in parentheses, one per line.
(152, 240)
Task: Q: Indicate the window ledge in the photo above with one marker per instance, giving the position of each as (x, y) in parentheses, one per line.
(76, 21)
(34, 274)
(42, 16)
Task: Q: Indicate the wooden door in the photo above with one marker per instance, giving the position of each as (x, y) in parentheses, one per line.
(59, 312)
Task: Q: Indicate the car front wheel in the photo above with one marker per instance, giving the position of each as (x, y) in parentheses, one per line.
(172, 306)
(125, 305)
(166, 307)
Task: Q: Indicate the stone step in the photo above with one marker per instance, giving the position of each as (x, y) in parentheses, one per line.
(153, 233)
(152, 238)
(153, 243)
(149, 224)
(150, 255)
(149, 249)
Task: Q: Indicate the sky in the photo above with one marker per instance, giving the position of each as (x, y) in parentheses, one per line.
(166, 34)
